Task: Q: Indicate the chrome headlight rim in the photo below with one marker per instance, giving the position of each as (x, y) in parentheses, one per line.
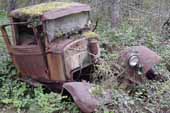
(133, 61)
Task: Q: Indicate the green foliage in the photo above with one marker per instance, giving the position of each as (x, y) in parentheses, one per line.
(23, 97)
(150, 97)
(40, 9)
(128, 35)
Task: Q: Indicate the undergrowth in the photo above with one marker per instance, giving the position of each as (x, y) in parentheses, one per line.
(22, 97)
(152, 96)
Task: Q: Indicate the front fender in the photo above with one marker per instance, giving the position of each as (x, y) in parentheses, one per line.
(148, 58)
(82, 96)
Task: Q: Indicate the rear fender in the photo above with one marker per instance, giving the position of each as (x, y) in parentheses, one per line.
(82, 96)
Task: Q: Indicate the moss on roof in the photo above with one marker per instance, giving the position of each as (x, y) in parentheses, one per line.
(37, 10)
(90, 34)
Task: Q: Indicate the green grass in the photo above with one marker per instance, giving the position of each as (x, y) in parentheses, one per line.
(3, 20)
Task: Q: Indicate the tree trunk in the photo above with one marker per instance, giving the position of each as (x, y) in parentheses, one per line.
(115, 13)
(11, 5)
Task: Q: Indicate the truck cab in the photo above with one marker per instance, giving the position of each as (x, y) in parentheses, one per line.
(52, 41)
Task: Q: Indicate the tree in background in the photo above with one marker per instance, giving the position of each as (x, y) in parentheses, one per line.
(115, 13)
(149, 13)
(11, 5)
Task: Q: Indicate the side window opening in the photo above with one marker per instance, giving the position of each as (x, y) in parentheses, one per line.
(25, 34)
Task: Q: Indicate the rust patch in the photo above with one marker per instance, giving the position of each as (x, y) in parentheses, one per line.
(147, 57)
(147, 60)
(94, 49)
(64, 12)
(81, 94)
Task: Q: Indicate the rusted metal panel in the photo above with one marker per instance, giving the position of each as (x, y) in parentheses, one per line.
(94, 49)
(14, 31)
(56, 66)
(147, 57)
(77, 52)
(55, 53)
(30, 62)
(5, 37)
(26, 50)
(82, 96)
(38, 10)
(73, 55)
(66, 11)
(58, 45)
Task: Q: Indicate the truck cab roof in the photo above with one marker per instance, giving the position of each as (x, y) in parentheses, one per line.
(50, 10)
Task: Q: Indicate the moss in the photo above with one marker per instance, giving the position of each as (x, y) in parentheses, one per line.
(165, 87)
(40, 9)
(90, 34)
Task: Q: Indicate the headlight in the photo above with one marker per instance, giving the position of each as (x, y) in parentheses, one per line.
(133, 61)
